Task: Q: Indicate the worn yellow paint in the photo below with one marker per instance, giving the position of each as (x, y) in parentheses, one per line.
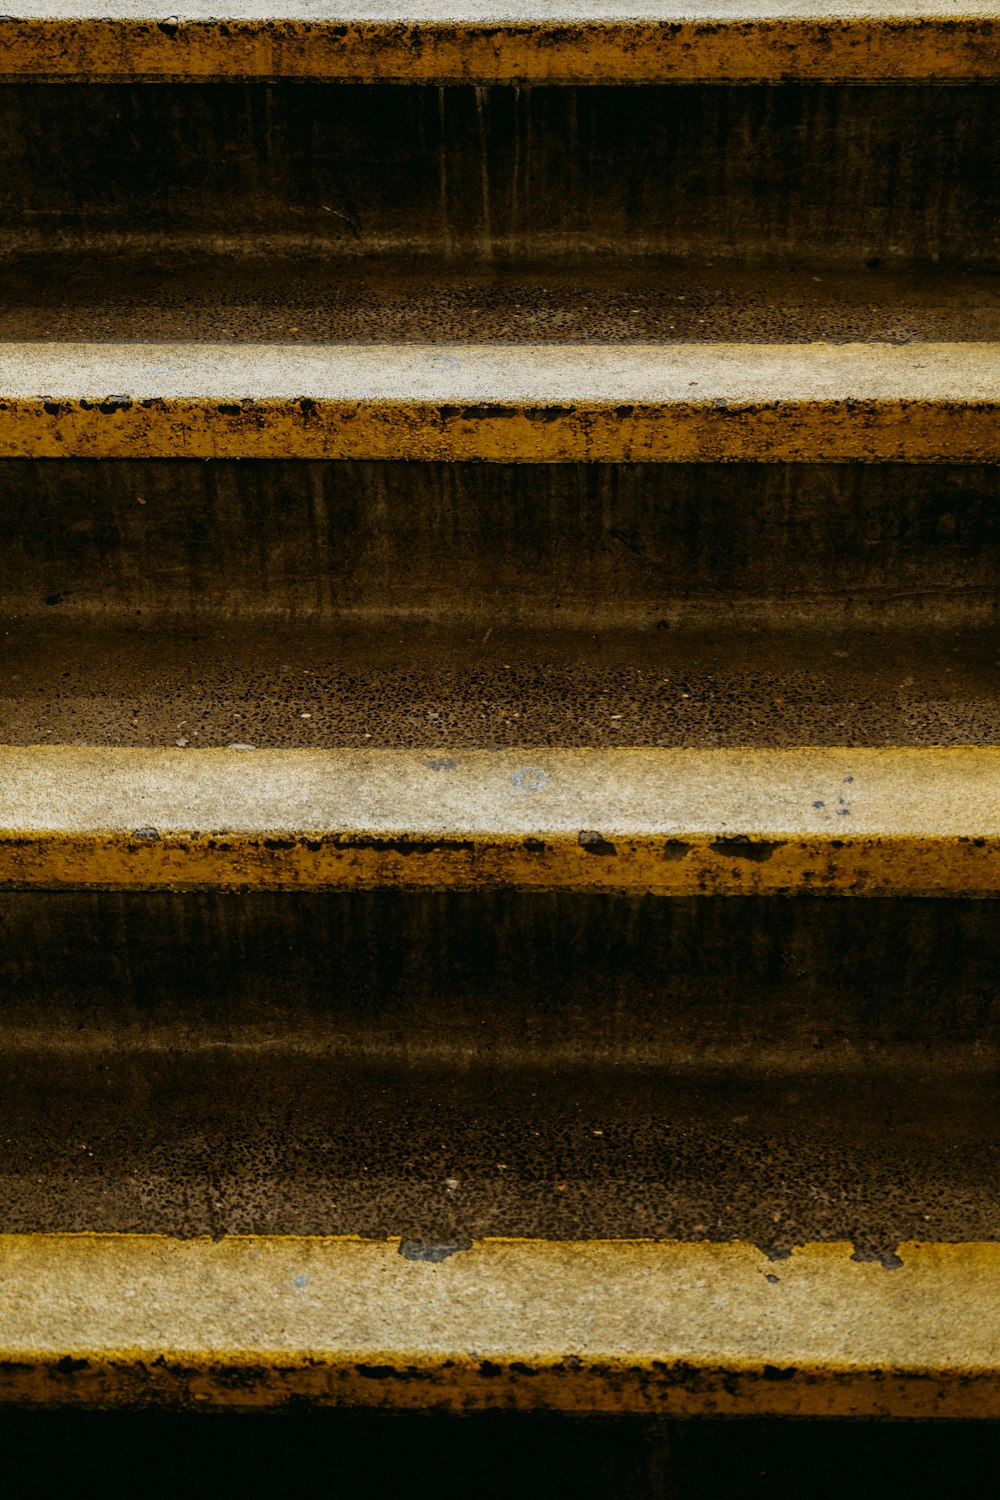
(682, 1328)
(677, 432)
(355, 860)
(674, 822)
(923, 402)
(581, 47)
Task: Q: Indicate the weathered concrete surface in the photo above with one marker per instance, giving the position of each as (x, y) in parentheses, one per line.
(586, 1326)
(405, 685)
(672, 403)
(858, 822)
(446, 1066)
(338, 299)
(303, 1124)
(428, 41)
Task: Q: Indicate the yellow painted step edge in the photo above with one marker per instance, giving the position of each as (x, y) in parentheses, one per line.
(933, 402)
(698, 1328)
(673, 822)
(429, 44)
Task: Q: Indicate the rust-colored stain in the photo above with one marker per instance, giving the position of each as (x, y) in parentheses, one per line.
(748, 47)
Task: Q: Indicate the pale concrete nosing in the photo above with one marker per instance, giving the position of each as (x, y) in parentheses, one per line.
(676, 821)
(929, 793)
(615, 1325)
(510, 12)
(687, 402)
(600, 41)
(502, 374)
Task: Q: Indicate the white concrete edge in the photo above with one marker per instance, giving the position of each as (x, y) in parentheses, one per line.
(505, 374)
(316, 1298)
(788, 794)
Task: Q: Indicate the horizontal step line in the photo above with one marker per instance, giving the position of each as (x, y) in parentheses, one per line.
(682, 822)
(431, 42)
(531, 402)
(673, 1327)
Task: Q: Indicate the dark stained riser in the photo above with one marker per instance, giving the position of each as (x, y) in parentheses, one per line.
(902, 176)
(575, 979)
(612, 545)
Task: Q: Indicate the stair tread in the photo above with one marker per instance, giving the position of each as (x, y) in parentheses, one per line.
(677, 821)
(478, 686)
(302, 301)
(702, 1327)
(427, 40)
(601, 402)
(447, 1117)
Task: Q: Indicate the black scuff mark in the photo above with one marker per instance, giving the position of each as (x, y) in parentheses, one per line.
(776, 1252)
(433, 1252)
(403, 846)
(867, 1255)
(592, 842)
(758, 851)
(675, 849)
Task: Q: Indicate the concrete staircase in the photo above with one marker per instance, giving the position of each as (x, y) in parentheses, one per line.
(500, 711)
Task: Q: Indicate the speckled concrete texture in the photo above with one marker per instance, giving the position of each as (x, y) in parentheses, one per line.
(305, 300)
(220, 1138)
(440, 690)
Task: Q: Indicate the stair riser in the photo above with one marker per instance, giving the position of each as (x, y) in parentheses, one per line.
(542, 978)
(600, 546)
(906, 176)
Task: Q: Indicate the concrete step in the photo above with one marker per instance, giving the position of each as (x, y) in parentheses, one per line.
(605, 41)
(309, 1125)
(540, 1089)
(588, 1326)
(681, 822)
(680, 362)
(919, 402)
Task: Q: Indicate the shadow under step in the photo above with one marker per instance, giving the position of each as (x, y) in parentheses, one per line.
(842, 174)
